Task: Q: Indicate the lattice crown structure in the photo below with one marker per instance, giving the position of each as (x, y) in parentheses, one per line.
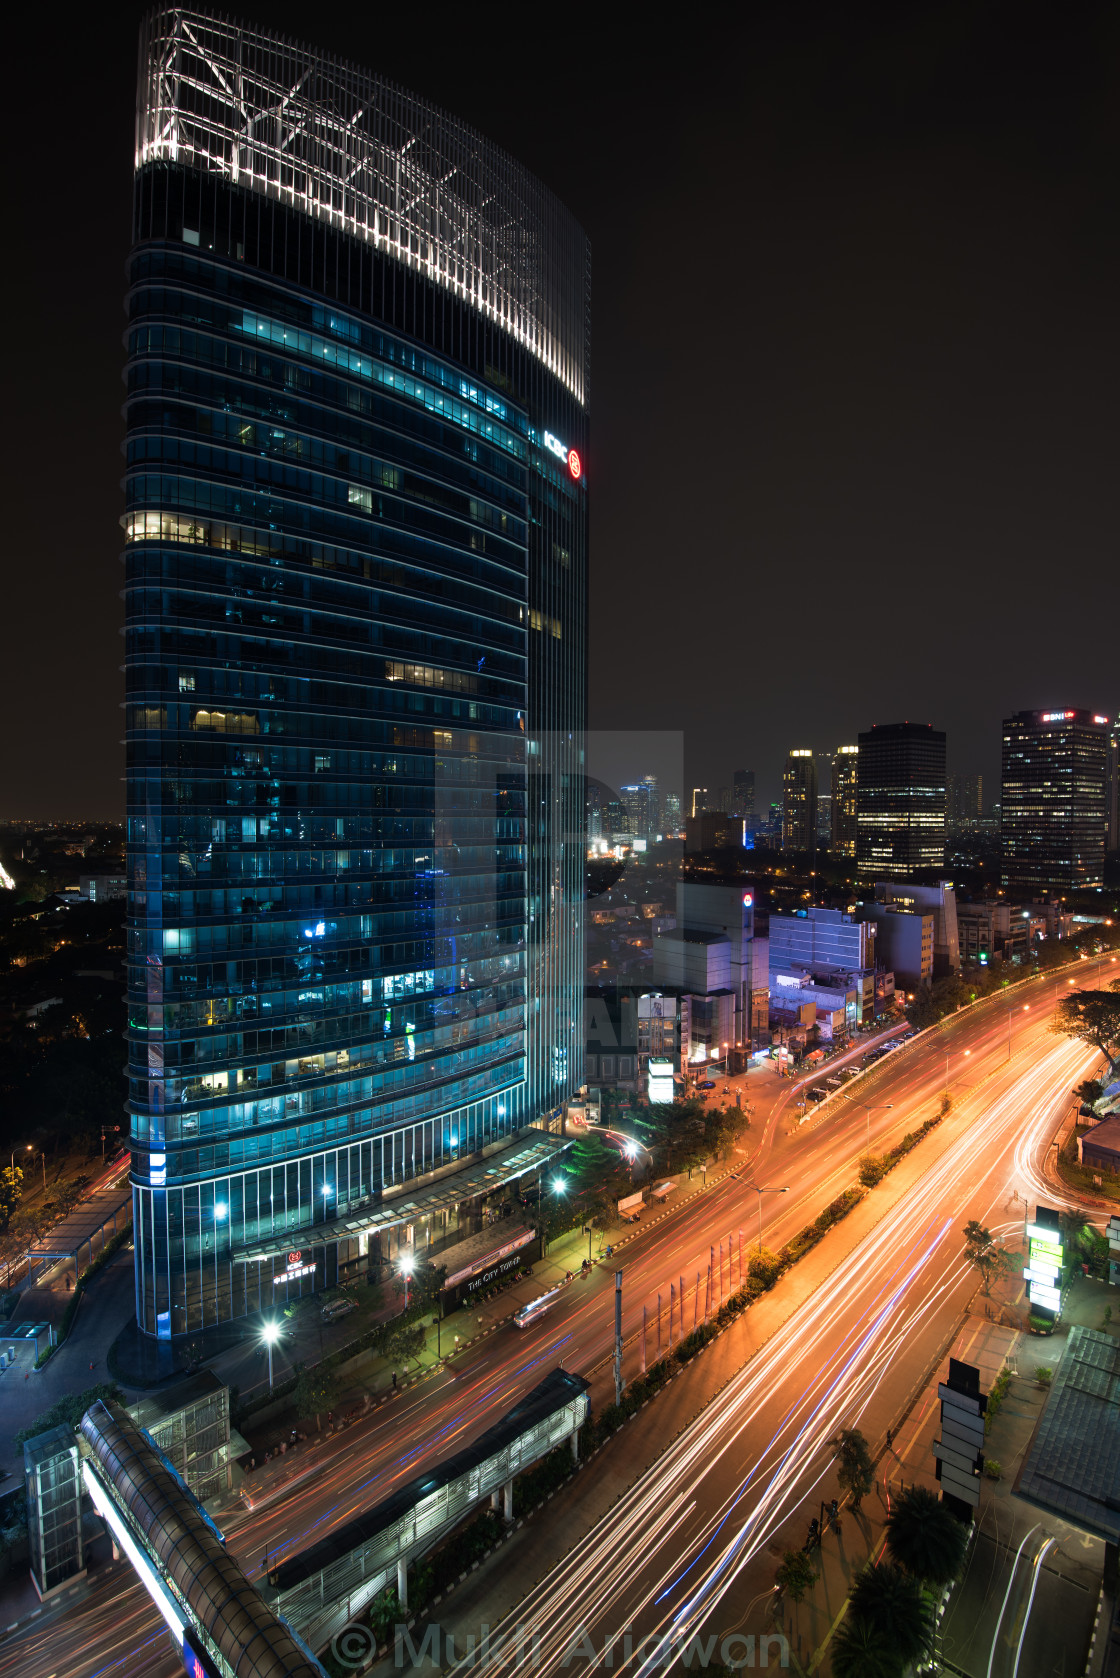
(348, 147)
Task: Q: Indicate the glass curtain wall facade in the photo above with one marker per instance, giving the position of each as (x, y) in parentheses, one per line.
(799, 802)
(1054, 801)
(844, 813)
(900, 800)
(356, 556)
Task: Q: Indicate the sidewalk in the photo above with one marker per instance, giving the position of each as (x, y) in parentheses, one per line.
(810, 1625)
(367, 1378)
(1073, 1567)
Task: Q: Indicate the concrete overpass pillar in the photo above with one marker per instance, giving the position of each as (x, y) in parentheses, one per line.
(402, 1581)
(573, 1441)
(496, 1498)
(507, 1500)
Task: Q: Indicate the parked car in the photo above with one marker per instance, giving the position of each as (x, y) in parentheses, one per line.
(816, 1093)
(337, 1308)
(706, 1084)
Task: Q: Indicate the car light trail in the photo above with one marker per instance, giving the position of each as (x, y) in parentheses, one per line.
(838, 1345)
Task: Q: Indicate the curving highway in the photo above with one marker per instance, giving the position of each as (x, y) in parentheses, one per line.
(844, 1346)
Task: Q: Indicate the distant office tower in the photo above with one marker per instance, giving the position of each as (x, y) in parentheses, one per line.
(824, 820)
(594, 805)
(699, 801)
(1114, 785)
(642, 806)
(356, 538)
(653, 805)
(671, 812)
(1054, 800)
(901, 800)
(799, 802)
(723, 801)
(845, 793)
(964, 800)
(742, 793)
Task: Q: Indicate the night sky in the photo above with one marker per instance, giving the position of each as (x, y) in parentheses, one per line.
(856, 361)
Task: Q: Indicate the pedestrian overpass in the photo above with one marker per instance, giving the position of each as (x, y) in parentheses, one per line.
(223, 1625)
(325, 1587)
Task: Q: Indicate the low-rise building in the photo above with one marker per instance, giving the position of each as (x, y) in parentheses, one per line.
(698, 962)
(103, 888)
(940, 901)
(1099, 1148)
(904, 941)
(828, 948)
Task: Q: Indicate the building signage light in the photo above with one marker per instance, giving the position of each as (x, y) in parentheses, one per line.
(1044, 1266)
(1057, 716)
(563, 452)
(661, 1081)
(296, 1269)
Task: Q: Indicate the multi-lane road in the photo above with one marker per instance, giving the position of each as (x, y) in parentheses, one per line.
(684, 1552)
(847, 1340)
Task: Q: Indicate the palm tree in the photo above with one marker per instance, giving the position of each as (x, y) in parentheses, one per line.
(895, 1608)
(860, 1651)
(924, 1538)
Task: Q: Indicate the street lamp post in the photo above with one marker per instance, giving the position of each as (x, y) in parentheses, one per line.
(760, 1192)
(884, 1107)
(270, 1334)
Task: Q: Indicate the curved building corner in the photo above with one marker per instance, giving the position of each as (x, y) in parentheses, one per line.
(356, 537)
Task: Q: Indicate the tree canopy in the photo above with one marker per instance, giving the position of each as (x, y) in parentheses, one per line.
(985, 1254)
(855, 1471)
(892, 1604)
(1094, 1017)
(924, 1538)
(859, 1650)
(69, 1410)
(796, 1574)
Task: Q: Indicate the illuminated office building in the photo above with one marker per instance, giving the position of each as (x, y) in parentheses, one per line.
(844, 813)
(1054, 800)
(356, 562)
(901, 800)
(742, 793)
(799, 802)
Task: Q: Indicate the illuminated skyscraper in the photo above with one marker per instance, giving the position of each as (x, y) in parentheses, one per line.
(356, 529)
(901, 800)
(742, 793)
(845, 801)
(1054, 800)
(799, 802)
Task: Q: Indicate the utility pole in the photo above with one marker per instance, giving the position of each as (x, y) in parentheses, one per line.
(618, 1336)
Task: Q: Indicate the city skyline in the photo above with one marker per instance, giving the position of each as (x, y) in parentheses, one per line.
(879, 419)
(612, 960)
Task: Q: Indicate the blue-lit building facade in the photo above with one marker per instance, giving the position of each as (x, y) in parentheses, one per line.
(356, 563)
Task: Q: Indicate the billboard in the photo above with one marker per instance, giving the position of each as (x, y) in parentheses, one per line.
(1043, 1272)
(660, 1080)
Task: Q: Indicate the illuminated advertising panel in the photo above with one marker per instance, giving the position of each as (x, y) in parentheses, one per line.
(661, 1080)
(1043, 1272)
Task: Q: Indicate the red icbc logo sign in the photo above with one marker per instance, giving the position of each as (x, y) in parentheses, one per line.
(562, 452)
(294, 1258)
